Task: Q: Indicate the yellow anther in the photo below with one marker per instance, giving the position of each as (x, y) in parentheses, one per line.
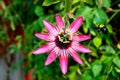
(60, 39)
(66, 41)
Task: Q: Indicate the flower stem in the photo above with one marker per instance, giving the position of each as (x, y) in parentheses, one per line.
(68, 4)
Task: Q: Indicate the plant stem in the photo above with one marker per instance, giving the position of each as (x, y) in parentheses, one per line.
(113, 16)
(109, 70)
(68, 4)
(115, 2)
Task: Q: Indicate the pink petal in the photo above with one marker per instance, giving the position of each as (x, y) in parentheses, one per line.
(75, 56)
(76, 24)
(52, 56)
(43, 36)
(63, 63)
(59, 21)
(80, 48)
(50, 27)
(43, 49)
(81, 37)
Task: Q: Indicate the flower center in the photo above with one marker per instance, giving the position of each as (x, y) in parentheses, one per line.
(64, 39)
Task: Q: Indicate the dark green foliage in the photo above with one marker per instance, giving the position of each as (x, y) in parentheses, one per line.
(20, 19)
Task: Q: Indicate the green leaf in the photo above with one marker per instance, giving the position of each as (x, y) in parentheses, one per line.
(85, 28)
(84, 11)
(75, 1)
(116, 60)
(96, 68)
(72, 76)
(118, 45)
(50, 2)
(109, 27)
(87, 75)
(92, 32)
(87, 13)
(19, 39)
(97, 42)
(74, 68)
(102, 77)
(107, 49)
(39, 11)
(106, 60)
(117, 69)
(38, 24)
(100, 16)
(40, 21)
(99, 3)
(108, 39)
(89, 21)
(106, 3)
(94, 51)
(90, 2)
(13, 49)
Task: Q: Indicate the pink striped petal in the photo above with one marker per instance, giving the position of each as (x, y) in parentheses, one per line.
(80, 48)
(63, 63)
(76, 24)
(43, 49)
(43, 36)
(75, 56)
(50, 27)
(81, 37)
(52, 56)
(59, 21)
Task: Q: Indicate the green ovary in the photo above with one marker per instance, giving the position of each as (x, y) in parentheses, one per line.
(65, 36)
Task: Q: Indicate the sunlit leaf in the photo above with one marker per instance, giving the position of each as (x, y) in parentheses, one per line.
(117, 69)
(85, 28)
(72, 76)
(97, 42)
(50, 2)
(75, 1)
(118, 45)
(92, 32)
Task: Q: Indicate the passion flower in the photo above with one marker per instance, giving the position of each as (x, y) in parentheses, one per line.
(62, 41)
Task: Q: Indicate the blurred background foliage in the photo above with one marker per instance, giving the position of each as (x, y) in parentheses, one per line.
(20, 19)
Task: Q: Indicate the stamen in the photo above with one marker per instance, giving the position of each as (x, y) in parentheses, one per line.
(60, 39)
(66, 41)
(63, 40)
(65, 36)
